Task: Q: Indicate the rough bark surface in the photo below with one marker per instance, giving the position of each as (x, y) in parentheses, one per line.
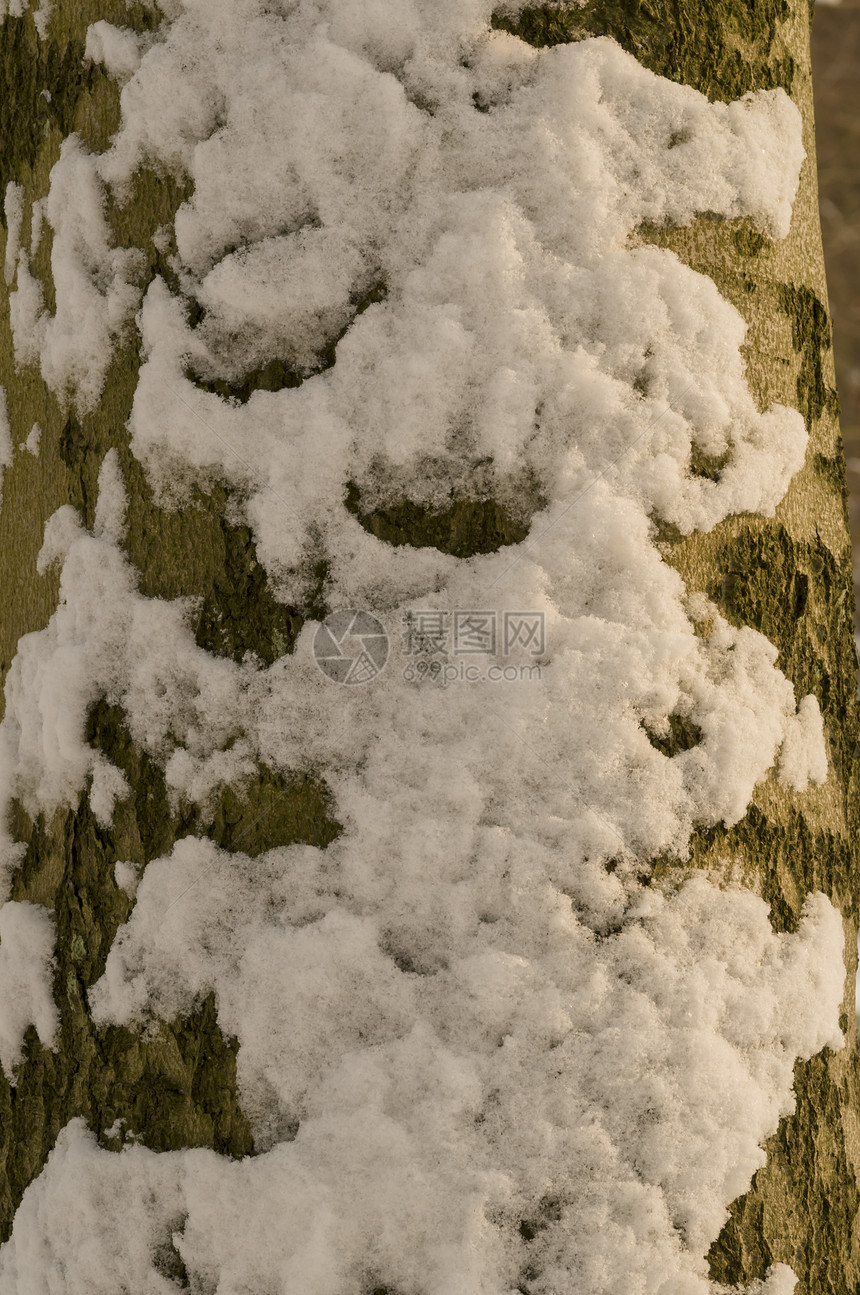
(789, 577)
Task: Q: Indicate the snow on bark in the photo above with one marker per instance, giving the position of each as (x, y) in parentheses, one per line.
(471, 1005)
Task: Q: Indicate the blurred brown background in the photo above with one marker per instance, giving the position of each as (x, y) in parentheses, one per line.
(836, 79)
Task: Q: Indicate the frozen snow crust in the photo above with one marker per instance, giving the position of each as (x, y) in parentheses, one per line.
(478, 1050)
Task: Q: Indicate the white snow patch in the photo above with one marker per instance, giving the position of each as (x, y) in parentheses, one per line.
(6, 450)
(127, 877)
(42, 16)
(625, 658)
(14, 211)
(803, 754)
(37, 221)
(109, 784)
(26, 973)
(118, 49)
(111, 503)
(33, 441)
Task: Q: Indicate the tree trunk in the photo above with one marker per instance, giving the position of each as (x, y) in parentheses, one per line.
(198, 527)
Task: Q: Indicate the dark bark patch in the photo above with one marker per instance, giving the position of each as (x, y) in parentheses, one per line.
(194, 551)
(709, 466)
(45, 82)
(149, 205)
(42, 84)
(276, 374)
(548, 1212)
(803, 1205)
(790, 858)
(168, 1261)
(467, 527)
(683, 735)
(811, 337)
(239, 615)
(271, 811)
(173, 1091)
(265, 811)
(798, 595)
(748, 240)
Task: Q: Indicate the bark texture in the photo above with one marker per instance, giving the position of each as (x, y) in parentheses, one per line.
(789, 577)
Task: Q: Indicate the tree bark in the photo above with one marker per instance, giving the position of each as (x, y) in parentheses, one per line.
(789, 577)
